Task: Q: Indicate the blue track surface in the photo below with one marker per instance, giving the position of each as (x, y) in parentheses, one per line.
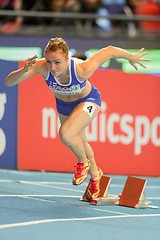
(46, 206)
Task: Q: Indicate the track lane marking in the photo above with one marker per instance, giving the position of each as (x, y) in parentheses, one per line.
(4, 226)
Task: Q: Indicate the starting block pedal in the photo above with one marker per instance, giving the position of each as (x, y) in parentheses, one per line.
(104, 185)
(132, 194)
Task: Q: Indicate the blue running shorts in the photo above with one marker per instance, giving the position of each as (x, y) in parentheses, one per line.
(65, 108)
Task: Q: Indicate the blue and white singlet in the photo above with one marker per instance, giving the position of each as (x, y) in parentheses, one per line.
(75, 86)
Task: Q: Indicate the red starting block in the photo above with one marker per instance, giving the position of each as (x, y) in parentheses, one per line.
(104, 185)
(131, 196)
(133, 193)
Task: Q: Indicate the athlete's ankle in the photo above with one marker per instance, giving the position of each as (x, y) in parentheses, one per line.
(85, 161)
(94, 176)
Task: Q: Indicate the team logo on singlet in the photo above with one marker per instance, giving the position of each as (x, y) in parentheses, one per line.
(65, 90)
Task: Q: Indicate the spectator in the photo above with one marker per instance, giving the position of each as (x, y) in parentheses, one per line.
(149, 8)
(90, 6)
(72, 6)
(29, 5)
(115, 7)
(132, 4)
(10, 24)
(60, 6)
(129, 11)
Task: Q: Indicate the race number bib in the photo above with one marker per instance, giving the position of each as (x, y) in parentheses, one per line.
(89, 108)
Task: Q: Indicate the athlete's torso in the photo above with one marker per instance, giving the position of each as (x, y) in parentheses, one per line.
(72, 90)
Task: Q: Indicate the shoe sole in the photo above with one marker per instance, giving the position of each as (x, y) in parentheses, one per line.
(74, 181)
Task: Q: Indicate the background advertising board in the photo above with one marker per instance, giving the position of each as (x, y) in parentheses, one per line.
(125, 136)
(8, 103)
(8, 118)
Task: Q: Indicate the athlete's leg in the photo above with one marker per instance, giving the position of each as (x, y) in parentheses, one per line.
(72, 135)
(90, 155)
(88, 150)
(73, 143)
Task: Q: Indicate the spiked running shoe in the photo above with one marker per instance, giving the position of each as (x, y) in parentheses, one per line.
(81, 173)
(94, 186)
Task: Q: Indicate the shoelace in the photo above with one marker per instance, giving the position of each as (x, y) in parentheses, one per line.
(93, 185)
(79, 168)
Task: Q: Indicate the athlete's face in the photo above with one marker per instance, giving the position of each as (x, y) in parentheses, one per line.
(57, 62)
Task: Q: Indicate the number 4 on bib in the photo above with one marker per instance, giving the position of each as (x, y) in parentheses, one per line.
(89, 108)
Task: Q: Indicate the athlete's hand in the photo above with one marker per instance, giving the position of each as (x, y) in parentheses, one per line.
(30, 62)
(137, 58)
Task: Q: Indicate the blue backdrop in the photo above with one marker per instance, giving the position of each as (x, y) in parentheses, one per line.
(8, 118)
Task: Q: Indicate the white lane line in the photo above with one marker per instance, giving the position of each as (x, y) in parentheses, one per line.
(69, 183)
(56, 195)
(88, 207)
(151, 186)
(34, 197)
(40, 182)
(32, 173)
(38, 199)
(48, 186)
(153, 198)
(38, 195)
(75, 219)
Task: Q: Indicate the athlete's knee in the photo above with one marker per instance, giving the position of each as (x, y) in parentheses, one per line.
(65, 135)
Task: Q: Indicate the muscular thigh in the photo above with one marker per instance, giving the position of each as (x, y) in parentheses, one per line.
(81, 134)
(80, 117)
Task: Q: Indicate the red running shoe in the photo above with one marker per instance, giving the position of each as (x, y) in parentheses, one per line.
(94, 186)
(81, 173)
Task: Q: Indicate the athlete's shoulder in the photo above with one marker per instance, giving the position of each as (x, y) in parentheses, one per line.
(79, 69)
(41, 61)
(77, 63)
(41, 66)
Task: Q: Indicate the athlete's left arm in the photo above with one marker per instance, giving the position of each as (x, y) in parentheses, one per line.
(88, 67)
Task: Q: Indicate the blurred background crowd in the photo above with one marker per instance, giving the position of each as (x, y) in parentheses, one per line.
(102, 8)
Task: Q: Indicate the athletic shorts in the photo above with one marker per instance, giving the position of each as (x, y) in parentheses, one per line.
(65, 108)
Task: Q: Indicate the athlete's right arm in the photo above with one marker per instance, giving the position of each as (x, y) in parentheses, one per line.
(19, 75)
